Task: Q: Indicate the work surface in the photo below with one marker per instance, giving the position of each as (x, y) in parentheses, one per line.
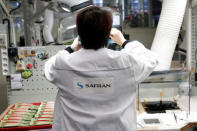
(170, 121)
(167, 120)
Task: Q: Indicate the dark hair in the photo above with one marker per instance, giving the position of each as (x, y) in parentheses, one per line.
(94, 25)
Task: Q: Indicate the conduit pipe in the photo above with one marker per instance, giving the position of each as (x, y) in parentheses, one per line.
(167, 32)
(48, 26)
(188, 37)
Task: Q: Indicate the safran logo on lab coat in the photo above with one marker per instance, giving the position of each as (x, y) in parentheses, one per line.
(79, 85)
(93, 85)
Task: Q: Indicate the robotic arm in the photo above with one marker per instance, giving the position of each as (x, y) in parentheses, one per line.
(74, 6)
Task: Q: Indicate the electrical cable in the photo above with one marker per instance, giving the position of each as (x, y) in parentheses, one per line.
(9, 32)
(15, 8)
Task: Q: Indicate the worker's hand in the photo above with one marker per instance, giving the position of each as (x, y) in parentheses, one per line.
(75, 45)
(117, 36)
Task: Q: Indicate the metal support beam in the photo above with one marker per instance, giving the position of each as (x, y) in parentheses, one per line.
(141, 12)
(4, 8)
(150, 13)
(27, 23)
(126, 8)
(120, 7)
(193, 43)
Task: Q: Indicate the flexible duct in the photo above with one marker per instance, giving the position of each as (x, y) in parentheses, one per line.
(48, 26)
(167, 32)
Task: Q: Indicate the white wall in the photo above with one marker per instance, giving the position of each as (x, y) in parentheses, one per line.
(144, 35)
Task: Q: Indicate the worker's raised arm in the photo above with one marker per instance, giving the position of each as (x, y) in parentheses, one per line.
(141, 59)
(50, 66)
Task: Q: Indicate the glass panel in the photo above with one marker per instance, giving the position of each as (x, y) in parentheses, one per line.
(168, 91)
(142, 13)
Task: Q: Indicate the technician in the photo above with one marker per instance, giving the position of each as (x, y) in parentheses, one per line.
(97, 86)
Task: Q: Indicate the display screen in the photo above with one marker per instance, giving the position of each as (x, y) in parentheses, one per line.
(116, 19)
(151, 121)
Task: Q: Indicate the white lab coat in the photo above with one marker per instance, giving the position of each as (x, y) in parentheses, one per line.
(97, 89)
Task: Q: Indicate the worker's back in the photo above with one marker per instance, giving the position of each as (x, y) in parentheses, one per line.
(96, 92)
(97, 88)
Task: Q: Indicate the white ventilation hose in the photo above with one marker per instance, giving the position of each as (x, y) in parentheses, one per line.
(167, 32)
(48, 26)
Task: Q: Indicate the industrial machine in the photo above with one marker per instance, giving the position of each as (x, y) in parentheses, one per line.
(27, 40)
